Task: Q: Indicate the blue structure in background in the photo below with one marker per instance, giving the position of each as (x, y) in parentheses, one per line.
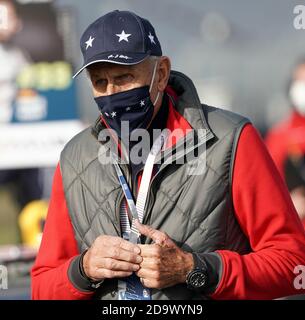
(61, 105)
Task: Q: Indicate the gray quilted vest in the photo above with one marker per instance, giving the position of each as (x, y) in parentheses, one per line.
(196, 211)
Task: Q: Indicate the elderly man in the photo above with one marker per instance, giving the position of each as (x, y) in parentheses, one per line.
(228, 231)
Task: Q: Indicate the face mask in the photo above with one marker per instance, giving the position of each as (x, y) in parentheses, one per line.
(297, 96)
(134, 106)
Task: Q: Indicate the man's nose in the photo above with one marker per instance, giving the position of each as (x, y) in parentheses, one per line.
(112, 88)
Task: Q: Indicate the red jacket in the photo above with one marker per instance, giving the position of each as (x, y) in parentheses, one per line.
(263, 208)
(287, 138)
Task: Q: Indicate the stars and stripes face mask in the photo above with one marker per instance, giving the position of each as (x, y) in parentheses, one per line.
(134, 106)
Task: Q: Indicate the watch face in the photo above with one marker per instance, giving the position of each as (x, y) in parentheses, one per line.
(197, 279)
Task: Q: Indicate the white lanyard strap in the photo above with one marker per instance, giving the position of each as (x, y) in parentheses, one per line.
(147, 172)
(137, 210)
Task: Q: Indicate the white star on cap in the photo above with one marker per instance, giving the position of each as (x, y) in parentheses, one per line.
(113, 114)
(89, 42)
(152, 38)
(123, 36)
(142, 103)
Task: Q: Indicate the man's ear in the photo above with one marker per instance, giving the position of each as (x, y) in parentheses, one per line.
(163, 72)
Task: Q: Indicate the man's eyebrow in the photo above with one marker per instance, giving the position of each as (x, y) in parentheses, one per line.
(126, 73)
(95, 75)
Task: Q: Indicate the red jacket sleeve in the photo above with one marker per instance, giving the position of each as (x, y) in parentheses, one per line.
(276, 144)
(58, 248)
(267, 217)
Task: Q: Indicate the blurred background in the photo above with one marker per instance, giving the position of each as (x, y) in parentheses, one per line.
(244, 56)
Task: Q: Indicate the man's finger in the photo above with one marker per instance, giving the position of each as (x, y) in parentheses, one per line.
(105, 273)
(150, 263)
(121, 254)
(150, 250)
(126, 245)
(148, 274)
(107, 241)
(117, 265)
(157, 236)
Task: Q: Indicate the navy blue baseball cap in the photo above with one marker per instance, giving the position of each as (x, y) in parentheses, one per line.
(120, 37)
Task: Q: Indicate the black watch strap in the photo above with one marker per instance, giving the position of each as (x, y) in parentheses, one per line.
(199, 262)
(211, 264)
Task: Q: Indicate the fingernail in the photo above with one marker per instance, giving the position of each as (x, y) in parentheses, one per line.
(137, 250)
(139, 259)
(136, 267)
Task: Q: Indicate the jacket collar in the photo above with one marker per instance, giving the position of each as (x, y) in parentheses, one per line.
(188, 102)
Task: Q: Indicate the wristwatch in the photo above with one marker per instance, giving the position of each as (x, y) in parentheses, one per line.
(197, 279)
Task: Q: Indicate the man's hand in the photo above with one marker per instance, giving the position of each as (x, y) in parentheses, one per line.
(111, 257)
(164, 263)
